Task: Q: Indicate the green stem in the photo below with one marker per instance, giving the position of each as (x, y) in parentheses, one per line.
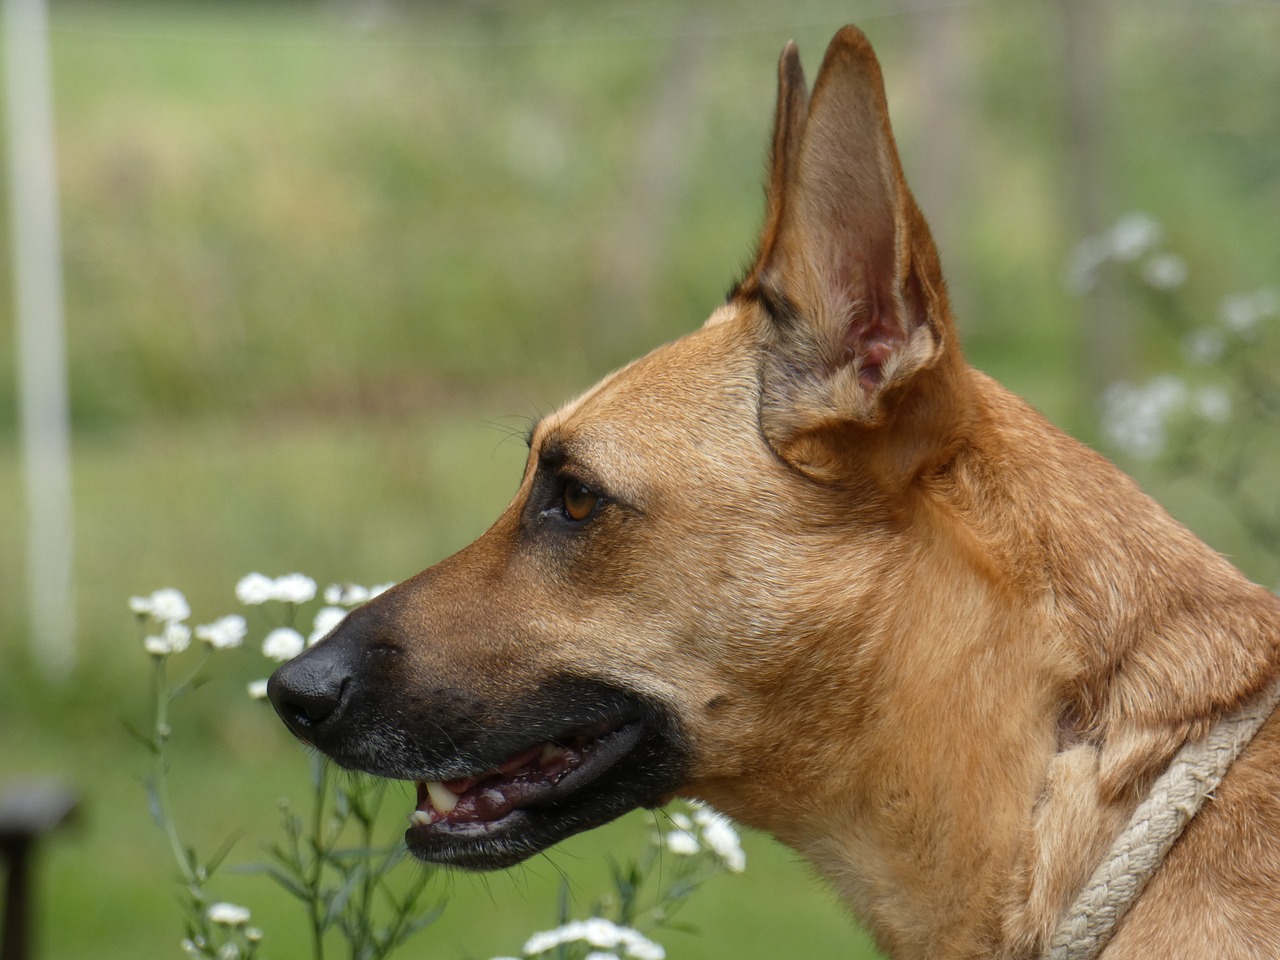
(160, 776)
(318, 847)
(370, 879)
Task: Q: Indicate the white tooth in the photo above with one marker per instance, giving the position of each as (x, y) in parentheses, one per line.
(442, 798)
(420, 818)
(551, 751)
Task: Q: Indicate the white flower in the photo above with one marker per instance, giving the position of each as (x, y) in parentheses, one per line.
(1204, 346)
(225, 633)
(541, 942)
(682, 843)
(294, 588)
(228, 951)
(641, 947)
(1241, 312)
(255, 589)
(326, 619)
(253, 935)
(174, 638)
(1083, 263)
(257, 689)
(345, 594)
(166, 606)
(719, 835)
(169, 606)
(1134, 418)
(228, 914)
(600, 932)
(1165, 271)
(283, 643)
(1236, 313)
(1133, 236)
(1213, 404)
(597, 932)
(571, 932)
(600, 955)
(178, 636)
(189, 947)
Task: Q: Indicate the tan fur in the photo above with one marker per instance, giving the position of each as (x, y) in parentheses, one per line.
(907, 626)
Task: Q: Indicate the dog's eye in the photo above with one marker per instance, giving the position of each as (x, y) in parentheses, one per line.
(578, 500)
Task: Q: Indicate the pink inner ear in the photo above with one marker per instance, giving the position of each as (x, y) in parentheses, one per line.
(875, 354)
(873, 333)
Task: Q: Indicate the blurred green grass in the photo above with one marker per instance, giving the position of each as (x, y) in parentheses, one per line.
(321, 273)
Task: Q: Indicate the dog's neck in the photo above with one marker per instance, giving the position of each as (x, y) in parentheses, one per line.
(1069, 636)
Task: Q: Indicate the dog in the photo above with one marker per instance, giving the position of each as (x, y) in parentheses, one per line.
(808, 566)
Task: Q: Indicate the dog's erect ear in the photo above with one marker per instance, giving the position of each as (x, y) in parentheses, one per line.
(847, 270)
(788, 124)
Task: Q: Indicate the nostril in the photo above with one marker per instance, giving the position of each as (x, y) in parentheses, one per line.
(304, 712)
(308, 693)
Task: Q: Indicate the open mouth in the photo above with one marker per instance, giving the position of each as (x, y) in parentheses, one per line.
(497, 782)
(538, 775)
(500, 816)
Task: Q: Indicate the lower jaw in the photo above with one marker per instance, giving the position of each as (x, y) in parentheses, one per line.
(478, 845)
(444, 831)
(515, 836)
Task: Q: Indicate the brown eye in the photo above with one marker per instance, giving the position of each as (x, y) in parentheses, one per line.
(579, 500)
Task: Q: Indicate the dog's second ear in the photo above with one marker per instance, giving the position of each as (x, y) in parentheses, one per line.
(847, 270)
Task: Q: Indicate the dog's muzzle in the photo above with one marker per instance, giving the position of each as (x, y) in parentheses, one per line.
(502, 770)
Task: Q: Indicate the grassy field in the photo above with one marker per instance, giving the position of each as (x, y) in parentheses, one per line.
(322, 269)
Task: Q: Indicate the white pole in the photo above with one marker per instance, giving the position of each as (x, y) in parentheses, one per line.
(44, 418)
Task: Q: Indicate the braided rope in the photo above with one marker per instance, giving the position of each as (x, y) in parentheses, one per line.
(1176, 797)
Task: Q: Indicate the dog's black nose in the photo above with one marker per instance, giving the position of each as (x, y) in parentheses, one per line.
(310, 691)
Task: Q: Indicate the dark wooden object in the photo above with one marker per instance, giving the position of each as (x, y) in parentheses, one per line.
(28, 812)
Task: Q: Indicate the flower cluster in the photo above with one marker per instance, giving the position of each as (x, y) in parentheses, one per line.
(610, 940)
(241, 940)
(706, 830)
(1241, 313)
(225, 633)
(256, 588)
(338, 872)
(704, 843)
(1134, 239)
(1240, 318)
(1135, 417)
(165, 611)
(228, 914)
(286, 642)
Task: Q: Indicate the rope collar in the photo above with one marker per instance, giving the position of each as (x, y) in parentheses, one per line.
(1176, 797)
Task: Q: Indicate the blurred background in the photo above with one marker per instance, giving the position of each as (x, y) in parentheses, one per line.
(324, 261)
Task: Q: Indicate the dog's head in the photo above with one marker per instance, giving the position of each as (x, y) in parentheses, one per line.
(655, 611)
